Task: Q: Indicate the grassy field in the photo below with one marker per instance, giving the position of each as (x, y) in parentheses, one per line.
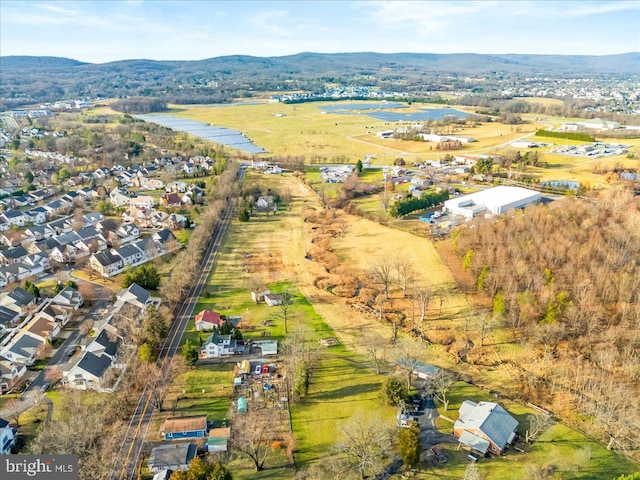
(270, 251)
(342, 384)
(306, 130)
(571, 454)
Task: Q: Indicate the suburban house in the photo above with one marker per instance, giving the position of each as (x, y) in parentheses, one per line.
(136, 296)
(171, 200)
(219, 345)
(56, 313)
(172, 457)
(14, 217)
(37, 215)
(273, 299)
(18, 300)
(13, 255)
(131, 255)
(42, 328)
(128, 232)
(106, 263)
(68, 297)
(10, 375)
(218, 439)
(265, 202)
(22, 349)
(167, 239)
(143, 202)
(90, 372)
(184, 427)
(7, 438)
(8, 317)
(485, 427)
(92, 218)
(208, 320)
(119, 198)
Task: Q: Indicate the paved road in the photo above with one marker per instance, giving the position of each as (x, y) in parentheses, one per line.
(124, 466)
(29, 396)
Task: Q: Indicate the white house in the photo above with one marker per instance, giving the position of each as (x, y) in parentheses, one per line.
(219, 345)
(7, 438)
(143, 202)
(119, 198)
(14, 217)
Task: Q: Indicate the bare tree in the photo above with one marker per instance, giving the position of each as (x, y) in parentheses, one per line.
(440, 385)
(159, 377)
(484, 324)
(252, 435)
(286, 301)
(365, 445)
(408, 354)
(406, 273)
(538, 423)
(423, 295)
(372, 343)
(14, 409)
(381, 274)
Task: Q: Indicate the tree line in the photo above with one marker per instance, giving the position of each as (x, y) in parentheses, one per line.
(563, 280)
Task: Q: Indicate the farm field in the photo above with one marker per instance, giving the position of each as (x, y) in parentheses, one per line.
(305, 130)
(271, 250)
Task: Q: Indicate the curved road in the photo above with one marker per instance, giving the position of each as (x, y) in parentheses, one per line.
(124, 466)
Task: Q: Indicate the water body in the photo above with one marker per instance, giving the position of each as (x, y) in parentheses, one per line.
(221, 135)
(351, 107)
(561, 184)
(421, 116)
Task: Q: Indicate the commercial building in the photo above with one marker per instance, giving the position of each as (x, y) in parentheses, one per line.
(495, 201)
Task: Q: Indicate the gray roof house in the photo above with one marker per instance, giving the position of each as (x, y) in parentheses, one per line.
(68, 297)
(485, 427)
(175, 456)
(22, 349)
(89, 372)
(106, 263)
(135, 295)
(131, 255)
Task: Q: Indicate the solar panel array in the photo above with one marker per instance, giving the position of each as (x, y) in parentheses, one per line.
(222, 135)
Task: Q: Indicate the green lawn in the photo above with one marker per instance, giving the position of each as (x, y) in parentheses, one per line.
(341, 385)
(571, 454)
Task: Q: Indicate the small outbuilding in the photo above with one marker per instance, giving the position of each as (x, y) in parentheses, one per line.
(242, 405)
(218, 439)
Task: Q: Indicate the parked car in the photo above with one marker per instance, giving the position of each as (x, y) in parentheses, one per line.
(45, 387)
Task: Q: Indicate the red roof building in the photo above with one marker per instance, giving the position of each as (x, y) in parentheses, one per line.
(206, 320)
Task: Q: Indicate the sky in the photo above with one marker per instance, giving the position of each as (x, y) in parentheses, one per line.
(104, 31)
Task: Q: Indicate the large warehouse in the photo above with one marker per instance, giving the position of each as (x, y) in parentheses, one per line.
(493, 200)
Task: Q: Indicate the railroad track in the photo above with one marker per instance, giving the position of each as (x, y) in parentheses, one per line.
(124, 466)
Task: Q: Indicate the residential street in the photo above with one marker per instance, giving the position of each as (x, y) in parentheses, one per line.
(29, 397)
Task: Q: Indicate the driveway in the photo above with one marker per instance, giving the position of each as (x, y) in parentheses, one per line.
(429, 434)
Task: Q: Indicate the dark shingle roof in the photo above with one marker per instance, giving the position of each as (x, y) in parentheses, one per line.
(110, 346)
(21, 297)
(95, 365)
(128, 250)
(107, 258)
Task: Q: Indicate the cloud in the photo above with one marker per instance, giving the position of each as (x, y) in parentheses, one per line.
(265, 21)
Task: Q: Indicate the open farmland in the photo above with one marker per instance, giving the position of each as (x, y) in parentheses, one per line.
(302, 129)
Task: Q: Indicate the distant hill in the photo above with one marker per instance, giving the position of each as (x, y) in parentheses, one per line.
(27, 80)
(307, 62)
(23, 61)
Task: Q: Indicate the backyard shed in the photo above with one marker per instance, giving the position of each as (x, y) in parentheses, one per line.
(242, 405)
